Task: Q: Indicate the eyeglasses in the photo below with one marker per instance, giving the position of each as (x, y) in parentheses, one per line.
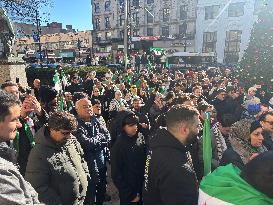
(269, 122)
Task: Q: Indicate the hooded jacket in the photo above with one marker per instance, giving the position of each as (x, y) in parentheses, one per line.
(13, 188)
(58, 172)
(169, 175)
(128, 161)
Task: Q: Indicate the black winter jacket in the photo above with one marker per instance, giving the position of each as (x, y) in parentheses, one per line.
(24, 143)
(169, 175)
(128, 160)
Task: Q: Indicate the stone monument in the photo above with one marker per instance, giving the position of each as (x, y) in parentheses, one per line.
(10, 67)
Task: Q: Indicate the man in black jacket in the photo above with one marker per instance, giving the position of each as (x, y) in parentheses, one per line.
(170, 178)
(144, 123)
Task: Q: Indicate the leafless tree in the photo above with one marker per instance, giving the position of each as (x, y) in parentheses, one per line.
(27, 10)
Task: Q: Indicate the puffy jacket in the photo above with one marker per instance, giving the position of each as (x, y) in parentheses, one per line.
(58, 172)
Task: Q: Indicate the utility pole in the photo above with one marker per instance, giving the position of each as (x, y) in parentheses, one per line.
(185, 42)
(38, 26)
(125, 32)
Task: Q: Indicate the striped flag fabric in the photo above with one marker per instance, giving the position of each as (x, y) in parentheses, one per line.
(207, 149)
(224, 186)
(56, 80)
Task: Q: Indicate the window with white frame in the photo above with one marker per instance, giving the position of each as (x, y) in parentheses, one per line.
(135, 3)
(183, 29)
(121, 20)
(107, 6)
(183, 12)
(209, 41)
(107, 22)
(97, 24)
(236, 9)
(211, 12)
(136, 32)
(150, 17)
(150, 31)
(108, 35)
(166, 14)
(97, 7)
(232, 46)
(165, 31)
(135, 17)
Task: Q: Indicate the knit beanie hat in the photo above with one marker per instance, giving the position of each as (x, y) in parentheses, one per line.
(130, 119)
(253, 109)
(254, 125)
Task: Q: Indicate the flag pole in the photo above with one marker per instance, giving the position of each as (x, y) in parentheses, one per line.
(207, 149)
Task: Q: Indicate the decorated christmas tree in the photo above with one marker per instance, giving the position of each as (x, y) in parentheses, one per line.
(257, 63)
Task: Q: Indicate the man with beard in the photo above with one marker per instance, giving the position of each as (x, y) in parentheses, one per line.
(143, 119)
(169, 174)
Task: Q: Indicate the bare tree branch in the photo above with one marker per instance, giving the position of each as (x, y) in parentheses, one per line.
(25, 10)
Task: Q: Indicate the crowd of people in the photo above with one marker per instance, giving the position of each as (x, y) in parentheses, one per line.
(141, 127)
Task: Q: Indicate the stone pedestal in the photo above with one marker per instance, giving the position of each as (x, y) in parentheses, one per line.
(1, 49)
(11, 69)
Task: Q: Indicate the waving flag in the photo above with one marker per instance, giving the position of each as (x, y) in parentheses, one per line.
(58, 88)
(56, 80)
(64, 79)
(224, 186)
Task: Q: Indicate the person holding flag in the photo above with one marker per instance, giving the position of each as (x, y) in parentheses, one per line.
(229, 185)
(59, 85)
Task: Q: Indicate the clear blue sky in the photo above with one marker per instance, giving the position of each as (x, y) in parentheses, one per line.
(74, 12)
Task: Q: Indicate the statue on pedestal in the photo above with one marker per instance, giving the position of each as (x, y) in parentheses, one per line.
(6, 35)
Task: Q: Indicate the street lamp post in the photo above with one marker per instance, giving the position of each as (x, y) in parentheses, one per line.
(79, 47)
(126, 32)
(38, 26)
(185, 42)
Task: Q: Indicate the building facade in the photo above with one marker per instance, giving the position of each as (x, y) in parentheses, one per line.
(224, 27)
(57, 43)
(25, 30)
(168, 24)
